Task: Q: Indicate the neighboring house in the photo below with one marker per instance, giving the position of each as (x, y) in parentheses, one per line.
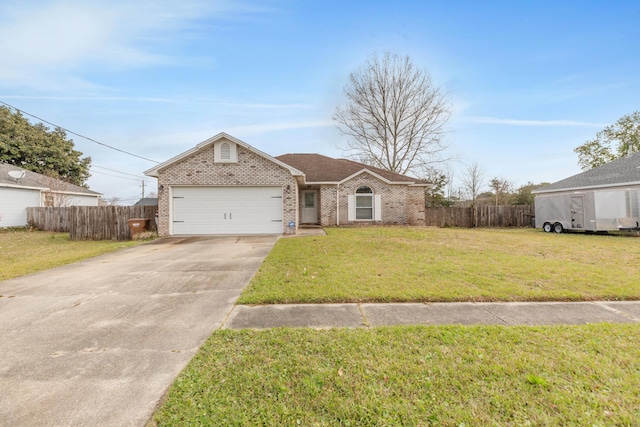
(22, 189)
(147, 201)
(602, 198)
(225, 186)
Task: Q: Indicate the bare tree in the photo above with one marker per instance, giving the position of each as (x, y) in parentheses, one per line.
(57, 194)
(394, 115)
(472, 178)
(501, 188)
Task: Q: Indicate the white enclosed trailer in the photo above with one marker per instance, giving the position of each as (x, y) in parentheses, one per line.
(603, 210)
(604, 198)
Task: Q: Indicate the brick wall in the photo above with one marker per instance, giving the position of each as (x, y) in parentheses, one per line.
(400, 204)
(327, 205)
(251, 169)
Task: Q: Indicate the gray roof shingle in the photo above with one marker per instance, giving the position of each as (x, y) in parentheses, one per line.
(622, 171)
(319, 168)
(36, 180)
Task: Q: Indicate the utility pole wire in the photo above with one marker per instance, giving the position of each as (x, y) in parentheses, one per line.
(77, 134)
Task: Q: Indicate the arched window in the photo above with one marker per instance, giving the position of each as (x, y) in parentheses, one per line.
(225, 152)
(364, 203)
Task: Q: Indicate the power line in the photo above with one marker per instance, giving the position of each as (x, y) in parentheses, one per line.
(113, 170)
(77, 134)
(118, 176)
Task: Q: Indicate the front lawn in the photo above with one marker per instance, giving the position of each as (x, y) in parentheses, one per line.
(422, 375)
(432, 264)
(25, 252)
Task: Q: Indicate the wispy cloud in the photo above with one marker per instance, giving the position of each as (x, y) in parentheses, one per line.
(47, 44)
(186, 101)
(520, 122)
(273, 127)
(91, 98)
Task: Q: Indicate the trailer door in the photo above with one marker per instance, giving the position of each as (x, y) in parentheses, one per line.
(577, 212)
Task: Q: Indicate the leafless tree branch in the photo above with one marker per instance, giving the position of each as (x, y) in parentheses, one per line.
(394, 115)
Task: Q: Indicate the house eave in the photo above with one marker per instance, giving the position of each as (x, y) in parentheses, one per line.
(380, 177)
(588, 187)
(23, 187)
(408, 184)
(72, 193)
(154, 171)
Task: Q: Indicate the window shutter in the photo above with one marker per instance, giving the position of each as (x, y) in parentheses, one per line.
(377, 207)
(351, 205)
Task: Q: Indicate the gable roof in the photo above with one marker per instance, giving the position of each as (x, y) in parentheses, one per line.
(204, 144)
(36, 181)
(620, 172)
(147, 201)
(322, 169)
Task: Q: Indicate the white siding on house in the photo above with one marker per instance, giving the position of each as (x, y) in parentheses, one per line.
(76, 200)
(13, 204)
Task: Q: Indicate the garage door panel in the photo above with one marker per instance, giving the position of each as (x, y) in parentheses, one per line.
(227, 210)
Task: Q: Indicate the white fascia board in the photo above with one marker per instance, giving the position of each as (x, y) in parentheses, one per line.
(23, 187)
(589, 187)
(72, 193)
(153, 172)
(381, 178)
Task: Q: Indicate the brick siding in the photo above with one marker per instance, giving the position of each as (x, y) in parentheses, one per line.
(401, 204)
(250, 170)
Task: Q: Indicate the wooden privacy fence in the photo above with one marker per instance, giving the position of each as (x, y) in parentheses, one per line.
(49, 219)
(480, 216)
(91, 222)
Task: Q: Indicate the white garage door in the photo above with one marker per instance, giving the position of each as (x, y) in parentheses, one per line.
(227, 210)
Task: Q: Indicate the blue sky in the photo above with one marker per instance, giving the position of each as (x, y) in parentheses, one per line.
(529, 80)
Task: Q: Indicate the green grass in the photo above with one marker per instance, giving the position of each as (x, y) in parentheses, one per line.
(25, 252)
(430, 264)
(422, 375)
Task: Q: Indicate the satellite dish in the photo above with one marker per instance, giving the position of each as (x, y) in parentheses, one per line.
(17, 175)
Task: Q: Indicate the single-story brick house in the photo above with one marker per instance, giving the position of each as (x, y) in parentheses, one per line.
(225, 186)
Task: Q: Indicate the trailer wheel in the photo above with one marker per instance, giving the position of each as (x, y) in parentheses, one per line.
(558, 228)
(547, 227)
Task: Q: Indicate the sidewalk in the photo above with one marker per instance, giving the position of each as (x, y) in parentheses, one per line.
(463, 313)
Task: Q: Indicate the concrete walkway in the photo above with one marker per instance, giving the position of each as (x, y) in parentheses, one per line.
(464, 313)
(97, 343)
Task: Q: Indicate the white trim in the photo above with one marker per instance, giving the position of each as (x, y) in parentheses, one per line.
(337, 183)
(381, 178)
(49, 190)
(154, 171)
(351, 207)
(377, 207)
(337, 204)
(73, 193)
(23, 187)
(217, 152)
(588, 187)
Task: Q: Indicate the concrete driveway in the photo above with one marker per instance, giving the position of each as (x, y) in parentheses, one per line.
(98, 342)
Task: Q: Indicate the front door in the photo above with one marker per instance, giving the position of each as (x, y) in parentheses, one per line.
(309, 207)
(577, 212)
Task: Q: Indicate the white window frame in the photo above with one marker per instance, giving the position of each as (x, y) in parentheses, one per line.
(376, 206)
(217, 152)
